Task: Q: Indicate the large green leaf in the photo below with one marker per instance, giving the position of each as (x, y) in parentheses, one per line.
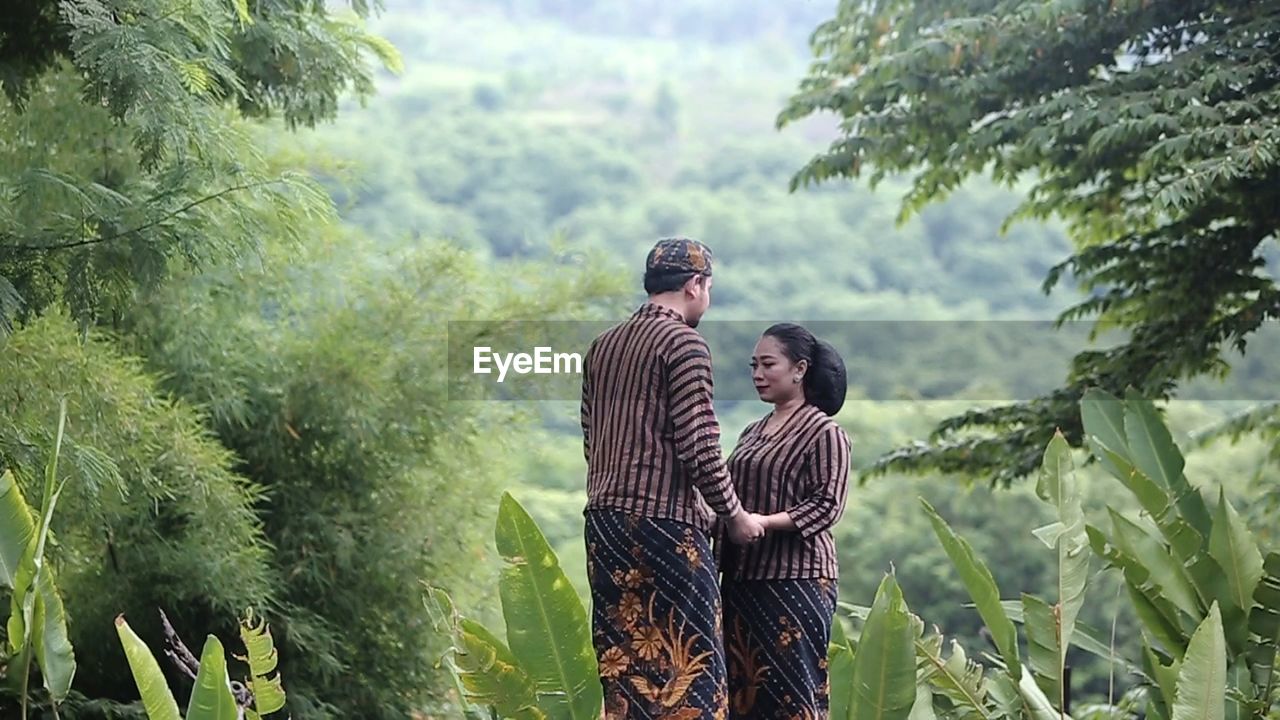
(1202, 679)
(1147, 462)
(1165, 571)
(1103, 417)
(1037, 704)
(1233, 546)
(1057, 486)
(1154, 498)
(1161, 621)
(884, 668)
(1044, 645)
(1085, 637)
(487, 673)
(922, 709)
(260, 654)
(491, 676)
(982, 588)
(1007, 695)
(1165, 676)
(1155, 454)
(1240, 690)
(37, 624)
(1155, 625)
(1264, 624)
(156, 698)
(211, 698)
(547, 624)
(54, 654)
(840, 673)
(16, 528)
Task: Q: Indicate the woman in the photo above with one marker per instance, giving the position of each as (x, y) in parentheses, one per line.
(791, 467)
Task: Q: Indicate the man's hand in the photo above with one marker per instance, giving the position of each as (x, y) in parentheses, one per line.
(745, 528)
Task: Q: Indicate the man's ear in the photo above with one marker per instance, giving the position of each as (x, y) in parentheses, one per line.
(691, 286)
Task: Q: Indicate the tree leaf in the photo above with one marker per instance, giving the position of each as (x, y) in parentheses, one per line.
(956, 678)
(1044, 645)
(54, 653)
(1088, 639)
(242, 12)
(1166, 676)
(1057, 486)
(1264, 625)
(1036, 702)
(492, 676)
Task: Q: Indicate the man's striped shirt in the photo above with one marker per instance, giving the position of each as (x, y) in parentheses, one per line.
(649, 431)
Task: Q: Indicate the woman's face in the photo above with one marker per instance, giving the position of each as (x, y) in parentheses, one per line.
(772, 372)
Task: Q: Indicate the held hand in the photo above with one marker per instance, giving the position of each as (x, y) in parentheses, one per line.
(764, 523)
(745, 528)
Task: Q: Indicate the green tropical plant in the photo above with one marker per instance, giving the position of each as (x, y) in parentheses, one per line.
(37, 624)
(548, 669)
(213, 696)
(1208, 602)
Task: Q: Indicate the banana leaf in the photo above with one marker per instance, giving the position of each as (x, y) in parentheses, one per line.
(981, 585)
(884, 668)
(547, 627)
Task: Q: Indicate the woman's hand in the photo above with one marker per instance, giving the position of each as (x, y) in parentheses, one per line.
(777, 522)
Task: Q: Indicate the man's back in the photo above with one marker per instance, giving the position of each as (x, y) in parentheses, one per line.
(650, 433)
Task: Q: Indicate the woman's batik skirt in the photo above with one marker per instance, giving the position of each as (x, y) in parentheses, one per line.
(655, 618)
(776, 638)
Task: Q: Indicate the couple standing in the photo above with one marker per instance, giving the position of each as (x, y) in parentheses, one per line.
(673, 640)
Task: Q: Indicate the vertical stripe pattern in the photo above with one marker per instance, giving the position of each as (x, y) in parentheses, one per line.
(650, 433)
(801, 468)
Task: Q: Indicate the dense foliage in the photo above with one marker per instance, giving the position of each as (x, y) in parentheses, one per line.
(1148, 128)
(258, 408)
(121, 154)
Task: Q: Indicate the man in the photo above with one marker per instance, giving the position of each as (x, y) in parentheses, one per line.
(655, 476)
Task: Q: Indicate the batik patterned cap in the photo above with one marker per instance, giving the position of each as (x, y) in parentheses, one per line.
(678, 255)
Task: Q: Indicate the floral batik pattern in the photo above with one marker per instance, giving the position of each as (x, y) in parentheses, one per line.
(776, 637)
(656, 618)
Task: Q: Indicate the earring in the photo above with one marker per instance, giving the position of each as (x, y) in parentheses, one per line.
(795, 379)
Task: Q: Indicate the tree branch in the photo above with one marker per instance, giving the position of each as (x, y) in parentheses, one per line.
(148, 225)
(187, 664)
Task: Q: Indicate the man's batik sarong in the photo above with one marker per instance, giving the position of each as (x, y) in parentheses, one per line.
(655, 618)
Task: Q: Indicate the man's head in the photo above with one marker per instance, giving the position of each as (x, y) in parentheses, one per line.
(678, 272)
